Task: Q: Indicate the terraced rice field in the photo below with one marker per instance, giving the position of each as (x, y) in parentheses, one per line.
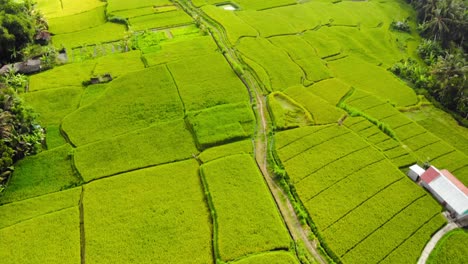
(162, 164)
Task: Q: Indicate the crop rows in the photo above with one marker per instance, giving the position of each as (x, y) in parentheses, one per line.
(354, 194)
(162, 143)
(246, 217)
(422, 144)
(140, 216)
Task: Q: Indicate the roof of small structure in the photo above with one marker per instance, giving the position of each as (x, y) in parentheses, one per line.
(447, 187)
(430, 174)
(416, 168)
(455, 181)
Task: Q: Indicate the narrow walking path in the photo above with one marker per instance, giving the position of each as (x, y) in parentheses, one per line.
(433, 242)
(298, 231)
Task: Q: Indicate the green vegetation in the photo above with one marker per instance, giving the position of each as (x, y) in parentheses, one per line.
(159, 144)
(47, 172)
(247, 220)
(286, 112)
(140, 216)
(221, 124)
(159, 20)
(35, 239)
(451, 248)
(19, 132)
(78, 22)
(239, 147)
(269, 258)
(123, 109)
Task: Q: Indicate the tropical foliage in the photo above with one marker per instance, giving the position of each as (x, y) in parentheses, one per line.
(20, 134)
(19, 22)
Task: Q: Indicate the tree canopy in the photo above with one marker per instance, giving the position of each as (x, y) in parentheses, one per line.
(17, 28)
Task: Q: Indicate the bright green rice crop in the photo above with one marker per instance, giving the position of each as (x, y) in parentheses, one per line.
(162, 143)
(160, 20)
(115, 5)
(222, 124)
(322, 111)
(277, 257)
(90, 36)
(451, 248)
(47, 172)
(16, 212)
(73, 74)
(78, 22)
(287, 113)
(127, 104)
(207, 81)
(53, 105)
(50, 238)
(247, 218)
(239, 147)
(155, 215)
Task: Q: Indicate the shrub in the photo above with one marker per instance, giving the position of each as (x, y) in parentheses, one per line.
(400, 26)
(429, 51)
(19, 132)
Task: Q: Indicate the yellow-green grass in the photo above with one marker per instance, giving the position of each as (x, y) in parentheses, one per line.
(50, 238)
(322, 111)
(53, 105)
(410, 250)
(133, 101)
(91, 93)
(119, 64)
(232, 24)
(239, 147)
(155, 215)
(90, 36)
(394, 232)
(287, 113)
(451, 248)
(77, 22)
(331, 90)
(275, 257)
(116, 5)
(221, 124)
(160, 20)
(73, 74)
(162, 143)
(47, 172)
(179, 49)
(282, 70)
(54, 137)
(374, 80)
(391, 217)
(267, 23)
(442, 125)
(246, 216)
(60, 8)
(207, 81)
(17, 212)
(304, 55)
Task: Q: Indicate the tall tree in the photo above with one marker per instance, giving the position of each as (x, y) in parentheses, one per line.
(17, 28)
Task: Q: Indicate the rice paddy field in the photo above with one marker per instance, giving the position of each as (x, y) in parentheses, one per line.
(161, 163)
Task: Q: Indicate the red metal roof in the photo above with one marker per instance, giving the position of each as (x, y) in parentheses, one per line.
(455, 181)
(430, 174)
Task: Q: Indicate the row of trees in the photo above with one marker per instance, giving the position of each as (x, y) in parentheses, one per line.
(20, 135)
(444, 25)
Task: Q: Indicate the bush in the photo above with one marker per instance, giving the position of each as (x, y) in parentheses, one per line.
(429, 51)
(19, 132)
(400, 26)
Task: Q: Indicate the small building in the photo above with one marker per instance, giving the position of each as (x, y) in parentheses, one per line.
(415, 172)
(449, 191)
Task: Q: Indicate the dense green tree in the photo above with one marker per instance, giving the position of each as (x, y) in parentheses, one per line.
(17, 28)
(20, 135)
